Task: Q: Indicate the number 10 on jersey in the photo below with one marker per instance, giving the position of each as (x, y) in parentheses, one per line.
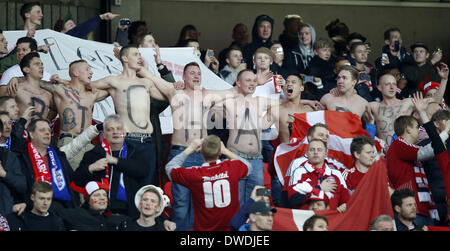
(217, 193)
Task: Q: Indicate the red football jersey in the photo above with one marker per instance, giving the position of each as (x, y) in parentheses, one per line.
(215, 192)
(352, 177)
(401, 162)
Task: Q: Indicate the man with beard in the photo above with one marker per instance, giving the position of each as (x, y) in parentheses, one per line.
(405, 210)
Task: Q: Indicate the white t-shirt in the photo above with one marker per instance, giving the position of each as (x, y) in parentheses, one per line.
(15, 72)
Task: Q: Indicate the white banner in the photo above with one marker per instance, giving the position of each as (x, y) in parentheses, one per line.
(100, 57)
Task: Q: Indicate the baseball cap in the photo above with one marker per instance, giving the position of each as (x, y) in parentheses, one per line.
(261, 207)
(419, 44)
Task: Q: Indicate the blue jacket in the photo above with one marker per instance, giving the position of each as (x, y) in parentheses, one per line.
(245, 227)
(241, 216)
(83, 29)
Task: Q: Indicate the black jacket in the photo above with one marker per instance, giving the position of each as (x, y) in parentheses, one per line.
(14, 185)
(134, 174)
(436, 182)
(20, 146)
(28, 221)
(405, 59)
(158, 106)
(84, 219)
(415, 74)
(249, 49)
(323, 70)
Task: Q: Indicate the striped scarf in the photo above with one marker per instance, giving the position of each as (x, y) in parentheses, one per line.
(423, 190)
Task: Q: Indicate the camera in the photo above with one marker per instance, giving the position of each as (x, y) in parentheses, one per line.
(125, 22)
(263, 192)
(309, 79)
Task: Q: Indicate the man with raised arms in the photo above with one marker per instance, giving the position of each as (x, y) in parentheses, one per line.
(188, 124)
(75, 102)
(131, 96)
(247, 116)
(390, 108)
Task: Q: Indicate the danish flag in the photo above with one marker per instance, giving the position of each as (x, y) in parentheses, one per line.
(342, 126)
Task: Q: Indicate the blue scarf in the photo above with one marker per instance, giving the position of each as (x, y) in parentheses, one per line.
(60, 189)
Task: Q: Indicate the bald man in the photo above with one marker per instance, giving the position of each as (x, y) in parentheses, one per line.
(390, 108)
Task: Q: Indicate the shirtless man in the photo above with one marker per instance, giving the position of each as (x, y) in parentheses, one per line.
(188, 124)
(390, 108)
(247, 117)
(29, 93)
(131, 96)
(74, 103)
(291, 105)
(347, 99)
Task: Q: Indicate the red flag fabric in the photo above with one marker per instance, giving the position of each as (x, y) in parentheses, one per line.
(342, 126)
(437, 228)
(370, 199)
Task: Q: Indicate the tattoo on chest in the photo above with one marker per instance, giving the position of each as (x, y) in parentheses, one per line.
(192, 122)
(385, 122)
(387, 115)
(39, 106)
(68, 120)
(246, 131)
(342, 109)
(72, 94)
(130, 116)
(186, 131)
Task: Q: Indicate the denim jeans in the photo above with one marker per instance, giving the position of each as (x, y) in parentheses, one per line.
(276, 189)
(255, 178)
(267, 150)
(182, 208)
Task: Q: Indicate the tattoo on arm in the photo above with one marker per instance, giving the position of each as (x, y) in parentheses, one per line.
(47, 86)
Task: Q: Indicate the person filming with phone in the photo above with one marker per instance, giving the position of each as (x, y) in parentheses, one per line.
(259, 195)
(392, 53)
(211, 61)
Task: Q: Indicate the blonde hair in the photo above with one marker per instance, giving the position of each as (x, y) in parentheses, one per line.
(211, 147)
(322, 43)
(264, 50)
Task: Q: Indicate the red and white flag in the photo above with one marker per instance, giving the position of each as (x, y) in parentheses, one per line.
(370, 200)
(342, 126)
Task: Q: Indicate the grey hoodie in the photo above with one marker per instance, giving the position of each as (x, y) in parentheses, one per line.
(307, 54)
